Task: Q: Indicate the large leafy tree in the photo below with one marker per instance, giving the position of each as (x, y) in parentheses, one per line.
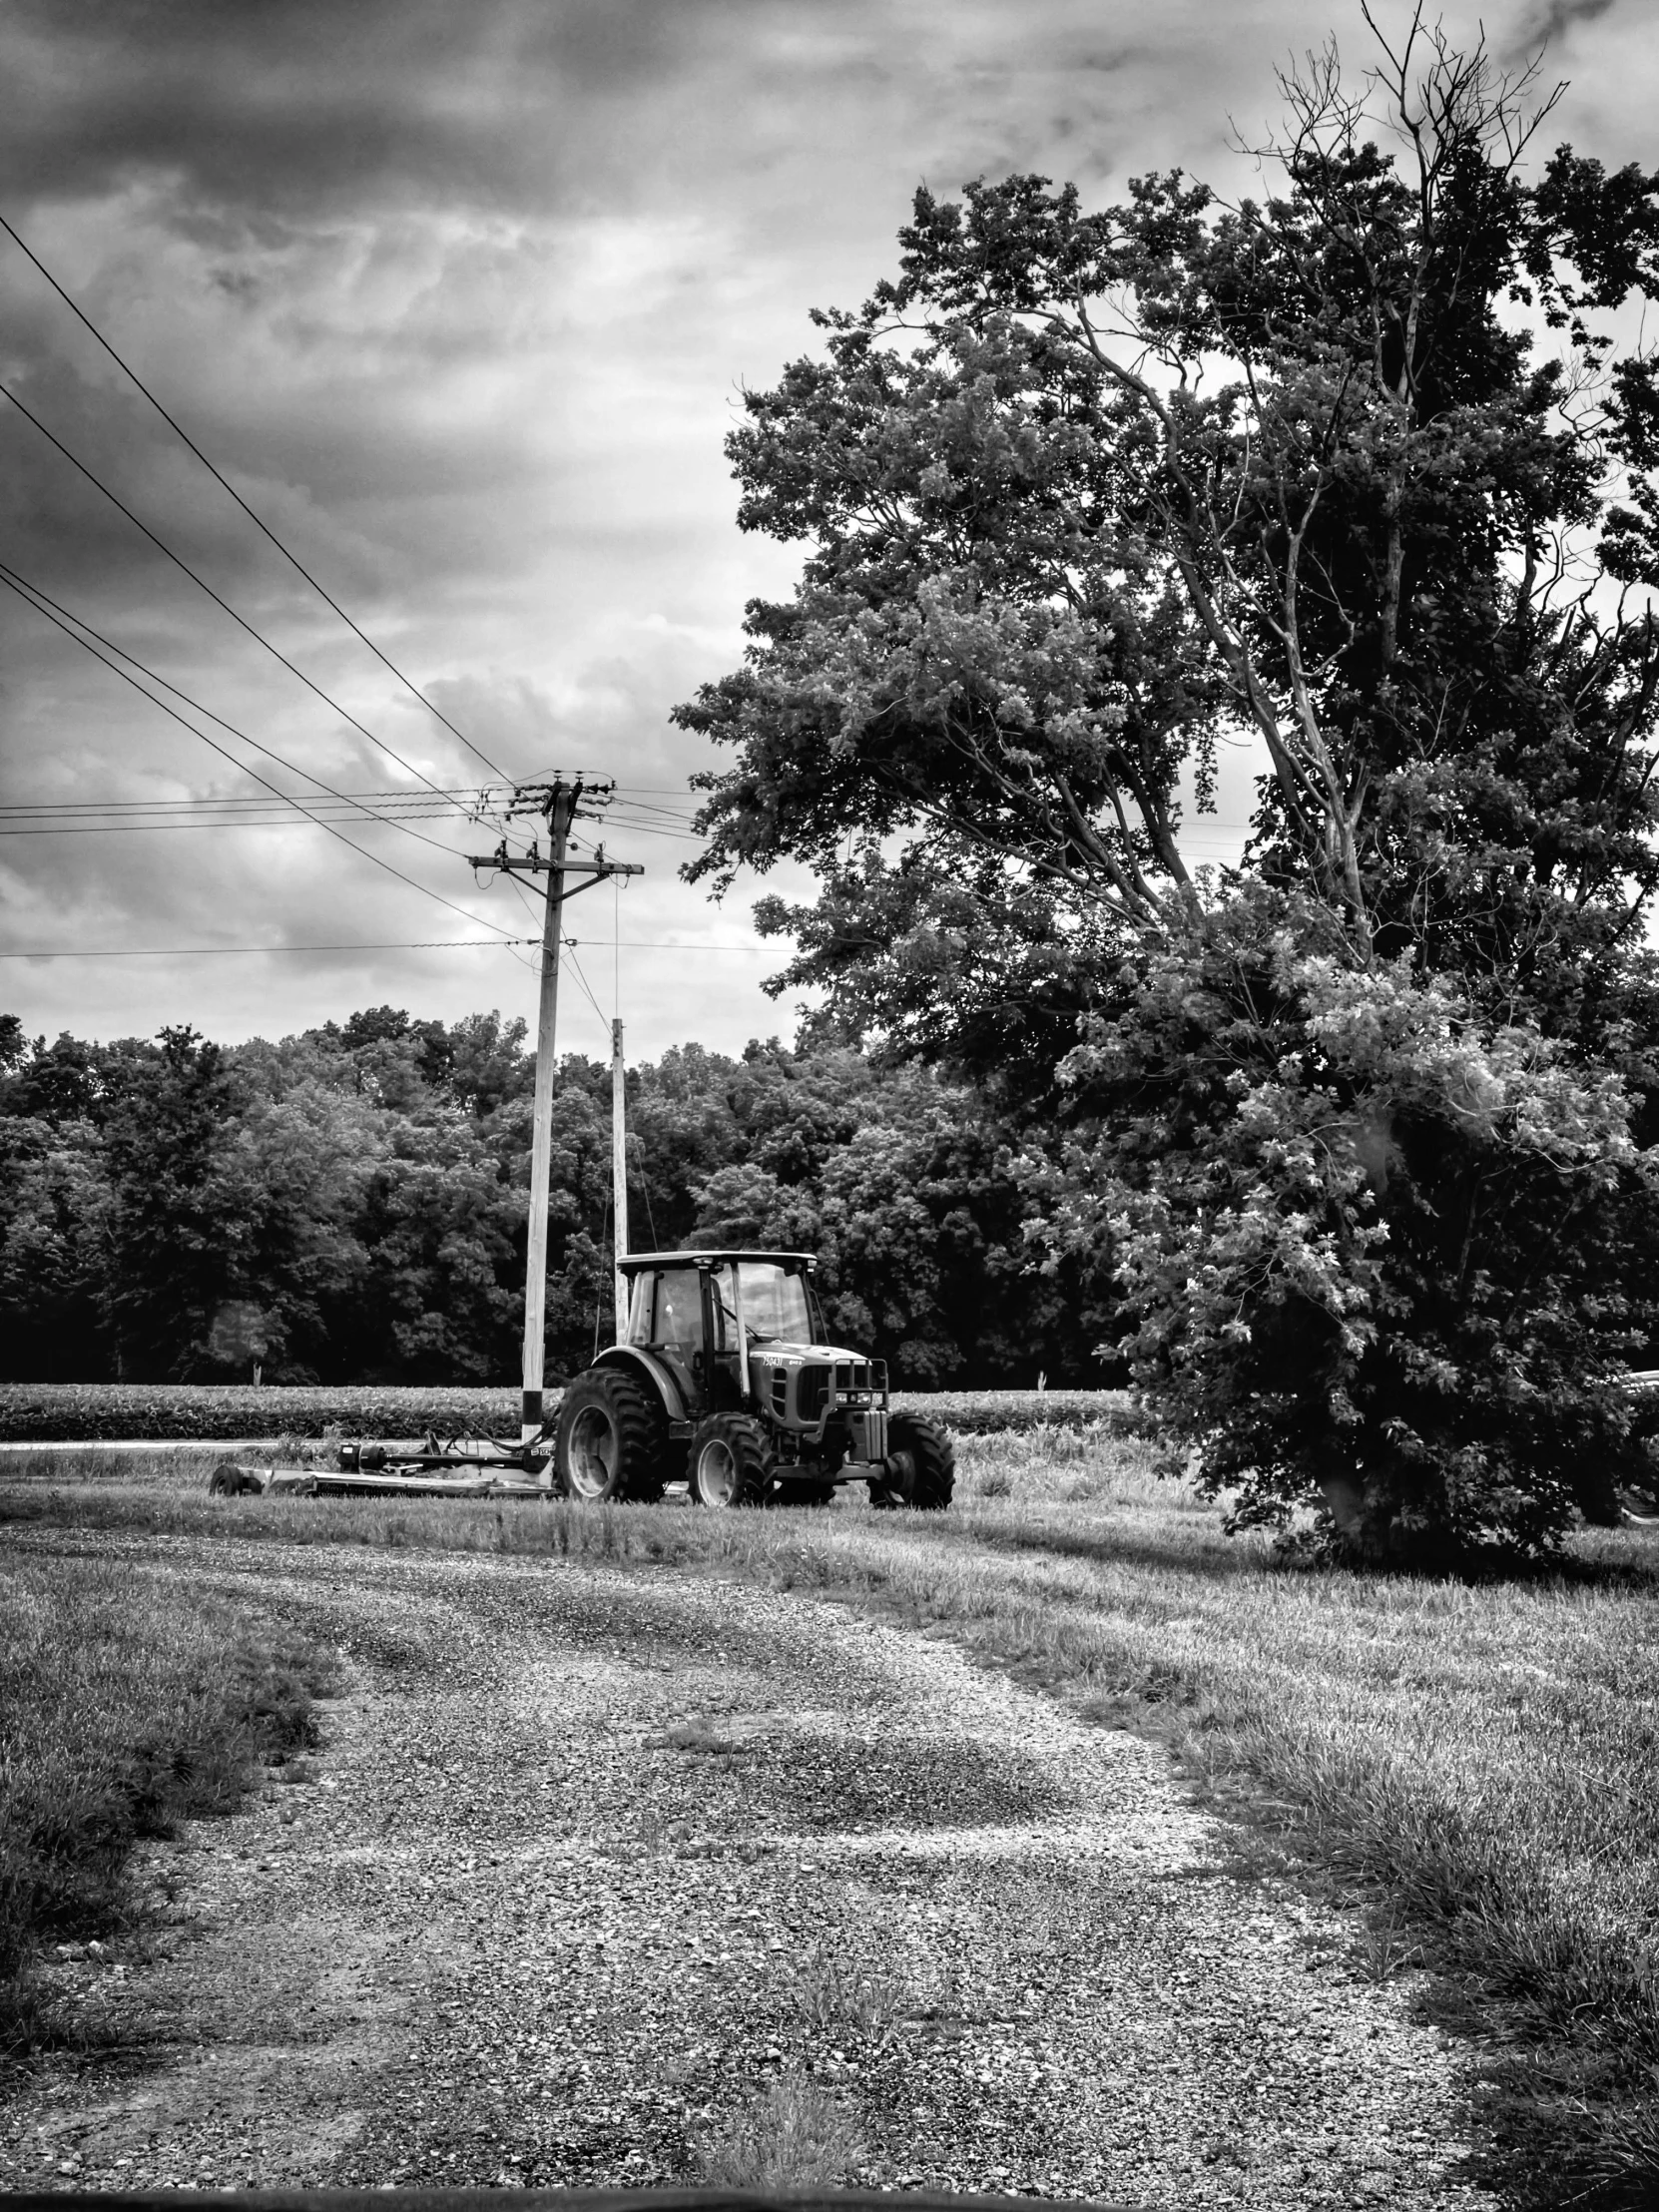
(1357, 472)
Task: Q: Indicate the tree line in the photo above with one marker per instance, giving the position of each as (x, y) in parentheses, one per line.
(350, 1204)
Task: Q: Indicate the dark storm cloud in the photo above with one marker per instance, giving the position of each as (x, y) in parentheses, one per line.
(271, 107)
(262, 118)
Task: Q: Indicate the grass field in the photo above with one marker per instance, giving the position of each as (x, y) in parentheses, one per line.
(1476, 1762)
(119, 1717)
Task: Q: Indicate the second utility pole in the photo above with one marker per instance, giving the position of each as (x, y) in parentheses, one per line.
(619, 1175)
(557, 800)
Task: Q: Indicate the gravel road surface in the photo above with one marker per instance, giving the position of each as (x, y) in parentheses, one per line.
(589, 1858)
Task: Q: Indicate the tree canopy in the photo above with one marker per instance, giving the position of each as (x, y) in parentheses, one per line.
(1085, 491)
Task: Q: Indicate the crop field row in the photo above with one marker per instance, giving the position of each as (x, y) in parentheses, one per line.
(89, 1413)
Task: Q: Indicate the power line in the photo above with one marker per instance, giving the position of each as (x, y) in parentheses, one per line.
(293, 560)
(265, 822)
(667, 945)
(653, 829)
(242, 621)
(477, 921)
(576, 965)
(204, 951)
(244, 810)
(71, 623)
(651, 810)
(413, 945)
(439, 800)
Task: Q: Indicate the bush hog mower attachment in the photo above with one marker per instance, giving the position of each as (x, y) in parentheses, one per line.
(726, 1381)
(439, 1469)
(458, 1467)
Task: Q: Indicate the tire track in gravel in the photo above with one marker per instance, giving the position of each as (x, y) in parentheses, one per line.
(594, 1856)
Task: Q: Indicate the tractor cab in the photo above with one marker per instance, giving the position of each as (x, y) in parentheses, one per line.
(702, 1312)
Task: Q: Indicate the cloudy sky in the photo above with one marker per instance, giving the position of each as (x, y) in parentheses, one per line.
(460, 296)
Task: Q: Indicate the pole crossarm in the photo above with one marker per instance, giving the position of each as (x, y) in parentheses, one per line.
(532, 863)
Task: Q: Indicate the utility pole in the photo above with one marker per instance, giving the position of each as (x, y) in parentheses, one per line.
(558, 801)
(619, 1173)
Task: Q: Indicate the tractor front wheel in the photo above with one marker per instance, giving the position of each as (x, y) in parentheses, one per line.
(610, 1441)
(920, 1467)
(730, 1461)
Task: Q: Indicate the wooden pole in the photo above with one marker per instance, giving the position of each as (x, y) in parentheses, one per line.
(561, 806)
(558, 801)
(619, 1173)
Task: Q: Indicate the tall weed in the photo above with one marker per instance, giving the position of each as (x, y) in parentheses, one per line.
(793, 2134)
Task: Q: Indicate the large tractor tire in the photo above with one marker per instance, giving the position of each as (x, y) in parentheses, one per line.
(611, 1441)
(919, 1470)
(730, 1461)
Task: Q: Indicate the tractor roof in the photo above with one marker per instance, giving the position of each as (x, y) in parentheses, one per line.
(627, 1262)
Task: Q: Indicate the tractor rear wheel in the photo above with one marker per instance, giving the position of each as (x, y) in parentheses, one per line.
(920, 1467)
(730, 1461)
(611, 1439)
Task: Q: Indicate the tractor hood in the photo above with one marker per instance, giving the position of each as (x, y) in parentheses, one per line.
(784, 1353)
(801, 1388)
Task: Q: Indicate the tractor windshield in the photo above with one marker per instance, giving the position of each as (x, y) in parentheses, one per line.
(775, 1301)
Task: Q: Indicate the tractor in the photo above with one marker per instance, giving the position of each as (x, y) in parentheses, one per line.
(727, 1381)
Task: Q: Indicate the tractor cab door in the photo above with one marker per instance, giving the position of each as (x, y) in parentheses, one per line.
(725, 1383)
(669, 1319)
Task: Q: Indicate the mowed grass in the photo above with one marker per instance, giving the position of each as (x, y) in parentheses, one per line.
(122, 1712)
(1477, 1762)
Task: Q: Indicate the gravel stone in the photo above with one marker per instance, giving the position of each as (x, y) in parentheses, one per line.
(588, 1858)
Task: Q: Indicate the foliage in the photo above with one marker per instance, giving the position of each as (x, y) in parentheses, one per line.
(349, 1205)
(1084, 491)
(183, 1220)
(1354, 473)
(1092, 1414)
(36, 1413)
(920, 1226)
(223, 1412)
(1375, 1253)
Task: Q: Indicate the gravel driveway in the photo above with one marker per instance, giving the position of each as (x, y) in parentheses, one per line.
(589, 1858)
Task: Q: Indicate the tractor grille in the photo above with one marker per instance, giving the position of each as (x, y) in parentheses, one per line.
(852, 1378)
(814, 1389)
